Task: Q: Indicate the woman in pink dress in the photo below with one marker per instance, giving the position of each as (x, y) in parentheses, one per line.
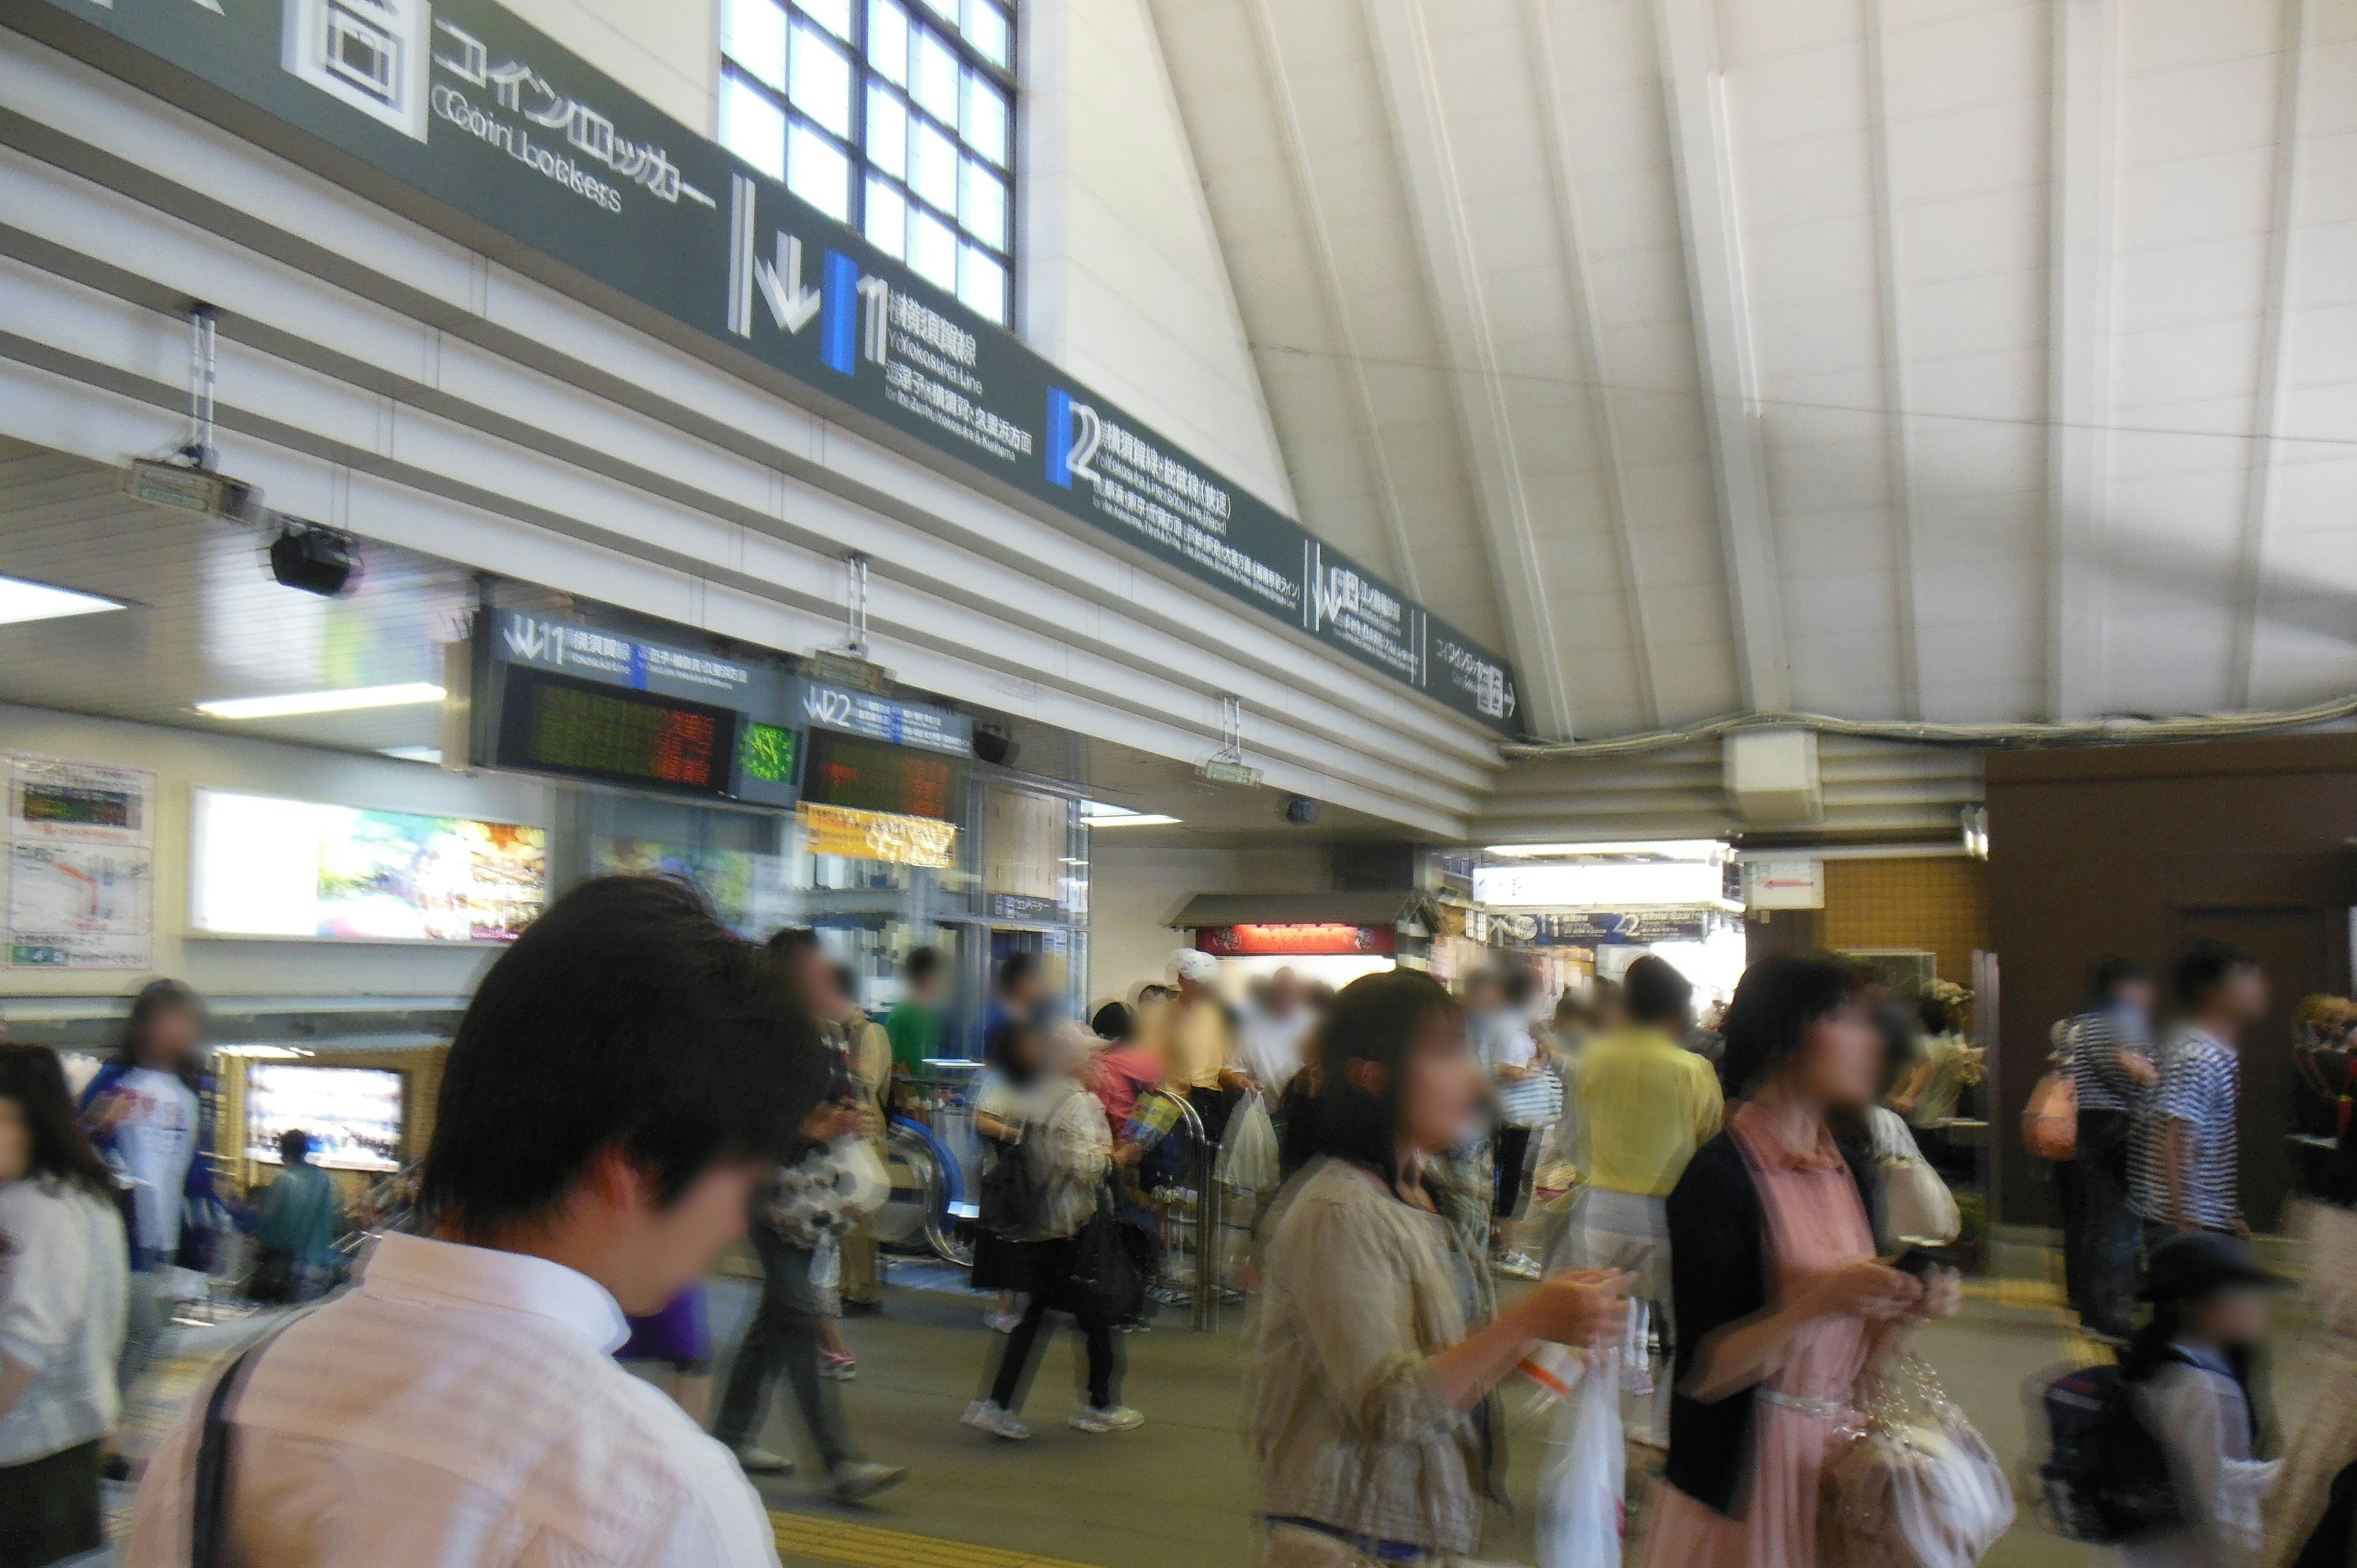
(1779, 1300)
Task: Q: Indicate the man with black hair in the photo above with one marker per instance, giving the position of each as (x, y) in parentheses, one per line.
(1646, 1104)
(914, 1025)
(626, 1076)
(2106, 1049)
(2185, 1177)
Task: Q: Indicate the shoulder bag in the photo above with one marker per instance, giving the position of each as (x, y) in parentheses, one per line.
(1915, 1485)
(2050, 1122)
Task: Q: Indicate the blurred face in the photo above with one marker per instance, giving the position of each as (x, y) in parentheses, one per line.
(1286, 993)
(1482, 994)
(677, 1245)
(929, 988)
(1441, 1101)
(2136, 996)
(170, 1038)
(16, 1141)
(1841, 1057)
(2232, 1317)
(2244, 994)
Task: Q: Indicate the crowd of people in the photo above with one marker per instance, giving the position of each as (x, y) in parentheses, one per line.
(1729, 1228)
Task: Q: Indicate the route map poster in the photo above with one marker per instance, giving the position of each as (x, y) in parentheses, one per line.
(81, 864)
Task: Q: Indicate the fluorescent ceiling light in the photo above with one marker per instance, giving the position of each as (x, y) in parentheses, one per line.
(1097, 814)
(1658, 849)
(410, 694)
(21, 600)
(430, 754)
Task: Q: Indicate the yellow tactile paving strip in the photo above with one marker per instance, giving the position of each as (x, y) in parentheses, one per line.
(864, 1546)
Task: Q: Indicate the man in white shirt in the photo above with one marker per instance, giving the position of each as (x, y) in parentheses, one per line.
(626, 1074)
(1272, 1032)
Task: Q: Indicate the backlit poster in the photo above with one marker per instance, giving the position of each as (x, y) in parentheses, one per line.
(81, 864)
(267, 867)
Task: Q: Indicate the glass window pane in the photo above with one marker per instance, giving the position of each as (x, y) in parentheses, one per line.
(946, 10)
(982, 284)
(985, 117)
(886, 218)
(753, 33)
(982, 205)
(818, 172)
(820, 82)
(887, 130)
(932, 248)
(936, 87)
(985, 29)
(888, 41)
(752, 126)
(835, 15)
(933, 166)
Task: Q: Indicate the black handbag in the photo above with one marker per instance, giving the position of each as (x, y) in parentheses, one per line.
(1106, 1280)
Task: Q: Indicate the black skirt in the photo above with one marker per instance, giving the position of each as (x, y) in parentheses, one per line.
(999, 1263)
(48, 1507)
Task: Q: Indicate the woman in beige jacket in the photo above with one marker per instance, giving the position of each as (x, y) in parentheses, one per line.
(1374, 1423)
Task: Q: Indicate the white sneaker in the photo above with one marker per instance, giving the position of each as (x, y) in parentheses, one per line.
(761, 1462)
(1000, 1322)
(996, 1420)
(1120, 1418)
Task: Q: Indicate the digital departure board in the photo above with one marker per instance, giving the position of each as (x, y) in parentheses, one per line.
(846, 770)
(553, 724)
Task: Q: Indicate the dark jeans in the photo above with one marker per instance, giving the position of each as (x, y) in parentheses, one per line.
(2099, 1234)
(783, 1337)
(48, 1507)
(1051, 1282)
(1508, 1148)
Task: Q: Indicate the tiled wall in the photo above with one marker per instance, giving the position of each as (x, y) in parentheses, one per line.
(1936, 902)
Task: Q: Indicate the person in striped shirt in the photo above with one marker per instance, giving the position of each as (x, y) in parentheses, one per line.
(2107, 1050)
(2185, 1176)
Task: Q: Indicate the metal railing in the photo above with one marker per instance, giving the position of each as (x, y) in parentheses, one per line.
(1202, 1293)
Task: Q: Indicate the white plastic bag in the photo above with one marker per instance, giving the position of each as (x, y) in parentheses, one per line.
(860, 1176)
(1248, 1153)
(1581, 1509)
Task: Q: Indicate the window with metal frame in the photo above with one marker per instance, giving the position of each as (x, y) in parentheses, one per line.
(894, 116)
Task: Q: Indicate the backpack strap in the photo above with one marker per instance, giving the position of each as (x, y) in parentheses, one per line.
(209, 1505)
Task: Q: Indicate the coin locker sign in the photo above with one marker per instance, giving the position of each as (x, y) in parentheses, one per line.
(464, 105)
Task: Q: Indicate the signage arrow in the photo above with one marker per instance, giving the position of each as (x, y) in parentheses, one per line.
(782, 285)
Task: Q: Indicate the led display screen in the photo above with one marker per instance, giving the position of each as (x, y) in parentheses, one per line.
(352, 1114)
(845, 770)
(261, 866)
(552, 724)
(769, 753)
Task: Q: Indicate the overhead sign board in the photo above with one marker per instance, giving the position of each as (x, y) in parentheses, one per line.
(1296, 940)
(821, 704)
(1783, 884)
(1605, 927)
(470, 109)
(878, 835)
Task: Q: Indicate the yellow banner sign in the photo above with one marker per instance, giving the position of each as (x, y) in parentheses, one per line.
(879, 836)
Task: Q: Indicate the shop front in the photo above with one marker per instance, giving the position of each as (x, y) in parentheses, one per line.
(1329, 938)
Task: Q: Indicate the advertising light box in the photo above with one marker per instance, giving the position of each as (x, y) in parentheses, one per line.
(261, 866)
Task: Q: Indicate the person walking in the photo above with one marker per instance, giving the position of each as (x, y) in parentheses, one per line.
(145, 1118)
(1065, 1137)
(868, 1048)
(1646, 1103)
(804, 1213)
(1779, 1297)
(2185, 1177)
(1375, 1420)
(63, 1276)
(302, 1219)
(1202, 1041)
(1011, 1065)
(2107, 1051)
(462, 1403)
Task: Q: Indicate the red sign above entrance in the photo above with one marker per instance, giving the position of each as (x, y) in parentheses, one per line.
(1296, 940)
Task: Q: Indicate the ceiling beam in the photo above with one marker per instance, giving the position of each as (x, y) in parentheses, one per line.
(1573, 232)
(1331, 296)
(2269, 400)
(2080, 191)
(1437, 212)
(1694, 98)
(1890, 322)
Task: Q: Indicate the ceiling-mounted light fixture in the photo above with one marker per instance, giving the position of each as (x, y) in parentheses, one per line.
(295, 705)
(1098, 814)
(22, 599)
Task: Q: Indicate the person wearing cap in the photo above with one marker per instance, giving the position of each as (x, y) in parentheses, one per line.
(1203, 1041)
(2188, 1373)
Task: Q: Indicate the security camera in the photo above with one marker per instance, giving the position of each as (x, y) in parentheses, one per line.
(1301, 810)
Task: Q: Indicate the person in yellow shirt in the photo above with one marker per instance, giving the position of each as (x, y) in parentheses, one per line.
(1202, 1041)
(1645, 1104)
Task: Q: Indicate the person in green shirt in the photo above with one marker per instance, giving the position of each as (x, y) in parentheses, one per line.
(915, 1025)
(302, 1217)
